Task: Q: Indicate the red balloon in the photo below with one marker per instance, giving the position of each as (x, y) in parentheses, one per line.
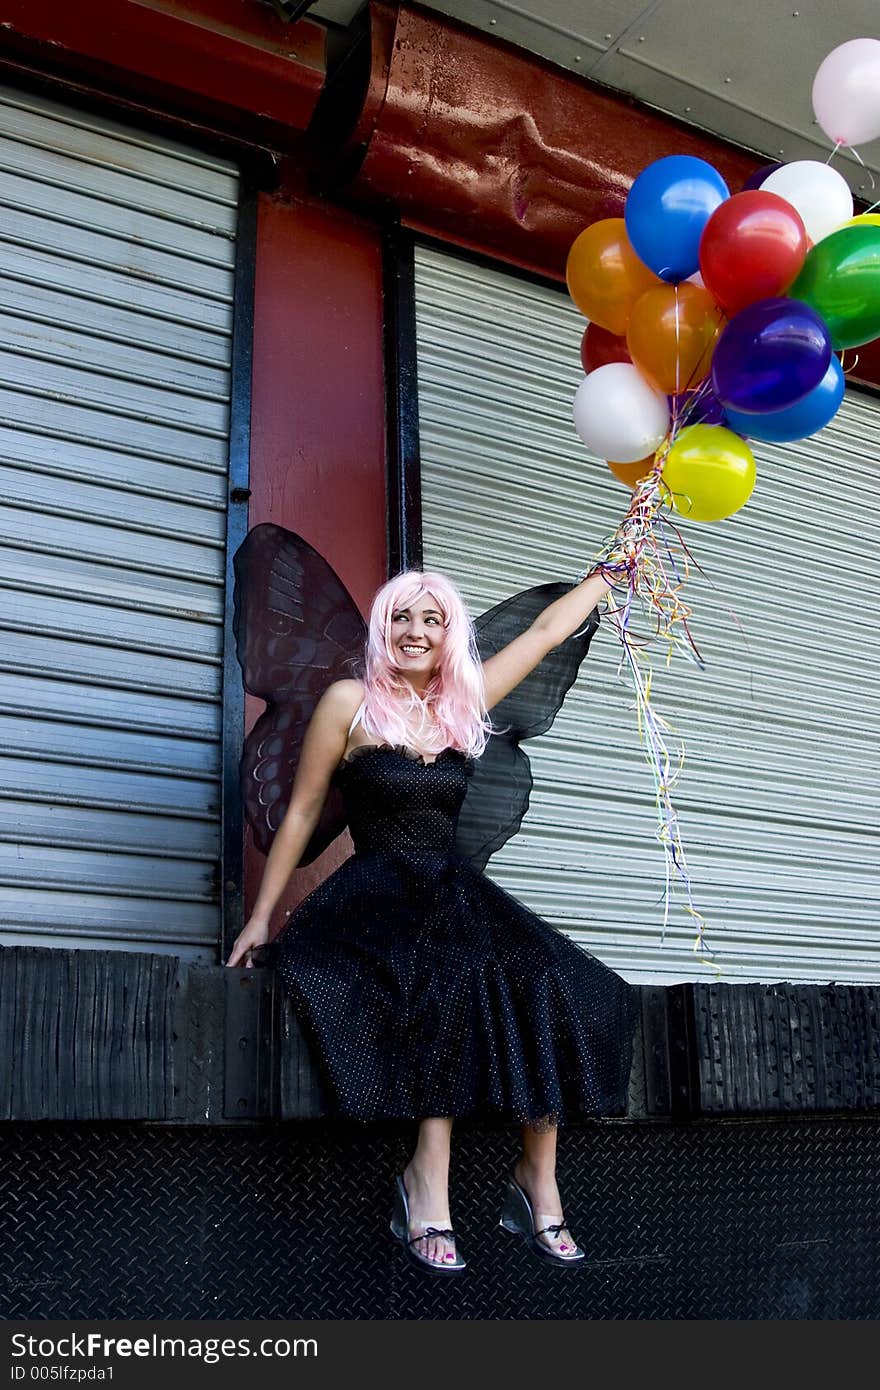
(599, 347)
(752, 248)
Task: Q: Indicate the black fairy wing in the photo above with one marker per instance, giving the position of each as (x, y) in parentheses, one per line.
(297, 629)
(501, 781)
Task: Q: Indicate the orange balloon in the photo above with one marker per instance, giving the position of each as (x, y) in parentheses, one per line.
(605, 276)
(632, 473)
(672, 334)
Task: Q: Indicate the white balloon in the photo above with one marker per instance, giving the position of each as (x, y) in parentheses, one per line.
(620, 415)
(816, 191)
(846, 92)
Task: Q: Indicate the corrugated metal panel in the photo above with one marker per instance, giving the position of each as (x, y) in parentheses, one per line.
(117, 253)
(779, 801)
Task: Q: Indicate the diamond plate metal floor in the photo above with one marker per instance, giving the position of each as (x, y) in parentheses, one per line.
(710, 1219)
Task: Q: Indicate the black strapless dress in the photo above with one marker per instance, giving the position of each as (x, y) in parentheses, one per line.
(425, 989)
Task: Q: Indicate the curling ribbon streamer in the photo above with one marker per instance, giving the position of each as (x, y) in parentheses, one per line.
(640, 555)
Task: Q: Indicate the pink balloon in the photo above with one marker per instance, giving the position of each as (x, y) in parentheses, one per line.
(846, 92)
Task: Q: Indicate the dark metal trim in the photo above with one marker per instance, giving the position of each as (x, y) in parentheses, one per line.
(402, 403)
(291, 10)
(785, 1048)
(680, 1043)
(183, 1042)
(250, 1052)
(232, 865)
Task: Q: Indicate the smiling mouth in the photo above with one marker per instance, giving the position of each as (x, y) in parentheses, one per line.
(414, 651)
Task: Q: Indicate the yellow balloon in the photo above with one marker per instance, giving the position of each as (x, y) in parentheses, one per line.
(867, 219)
(710, 472)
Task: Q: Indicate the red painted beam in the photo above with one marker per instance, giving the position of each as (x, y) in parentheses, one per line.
(210, 56)
(318, 413)
(498, 152)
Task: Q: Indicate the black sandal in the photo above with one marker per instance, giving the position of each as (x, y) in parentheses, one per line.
(400, 1229)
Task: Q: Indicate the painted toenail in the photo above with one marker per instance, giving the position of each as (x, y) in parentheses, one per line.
(450, 1256)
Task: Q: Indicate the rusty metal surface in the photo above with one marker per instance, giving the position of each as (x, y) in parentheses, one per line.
(496, 151)
(502, 153)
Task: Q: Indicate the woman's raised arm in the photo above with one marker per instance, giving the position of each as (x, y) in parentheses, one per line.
(322, 749)
(504, 671)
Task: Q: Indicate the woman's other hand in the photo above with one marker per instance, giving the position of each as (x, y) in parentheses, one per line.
(254, 934)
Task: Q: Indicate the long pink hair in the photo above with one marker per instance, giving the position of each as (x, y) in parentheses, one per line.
(455, 694)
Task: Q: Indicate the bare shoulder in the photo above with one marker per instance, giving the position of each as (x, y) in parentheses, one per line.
(341, 699)
(331, 720)
(324, 744)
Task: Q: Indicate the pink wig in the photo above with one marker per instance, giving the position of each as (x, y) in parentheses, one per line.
(455, 695)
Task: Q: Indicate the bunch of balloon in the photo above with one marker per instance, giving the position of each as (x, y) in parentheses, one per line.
(647, 353)
(715, 318)
(653, 331)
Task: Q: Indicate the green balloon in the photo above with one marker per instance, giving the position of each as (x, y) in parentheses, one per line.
(840, 279)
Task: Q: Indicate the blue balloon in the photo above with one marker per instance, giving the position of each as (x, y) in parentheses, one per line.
(770, 355)
(804, 418)
(666, 210)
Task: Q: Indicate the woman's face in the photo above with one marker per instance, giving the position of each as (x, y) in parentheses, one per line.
(417, 636)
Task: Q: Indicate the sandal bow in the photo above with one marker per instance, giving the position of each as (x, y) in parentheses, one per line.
(432, 1231)
(555, 1230)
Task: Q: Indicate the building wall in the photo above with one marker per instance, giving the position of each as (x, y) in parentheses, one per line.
(317, 465)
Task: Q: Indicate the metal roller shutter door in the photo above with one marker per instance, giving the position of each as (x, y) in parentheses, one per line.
(778, 801)
(117, 256)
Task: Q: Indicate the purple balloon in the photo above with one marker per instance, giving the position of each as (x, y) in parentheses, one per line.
(770, 356)
(700, 407)
(757, 178)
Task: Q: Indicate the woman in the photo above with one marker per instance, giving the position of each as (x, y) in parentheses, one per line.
(425, 989)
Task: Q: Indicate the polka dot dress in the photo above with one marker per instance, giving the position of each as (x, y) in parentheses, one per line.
(425, 989)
